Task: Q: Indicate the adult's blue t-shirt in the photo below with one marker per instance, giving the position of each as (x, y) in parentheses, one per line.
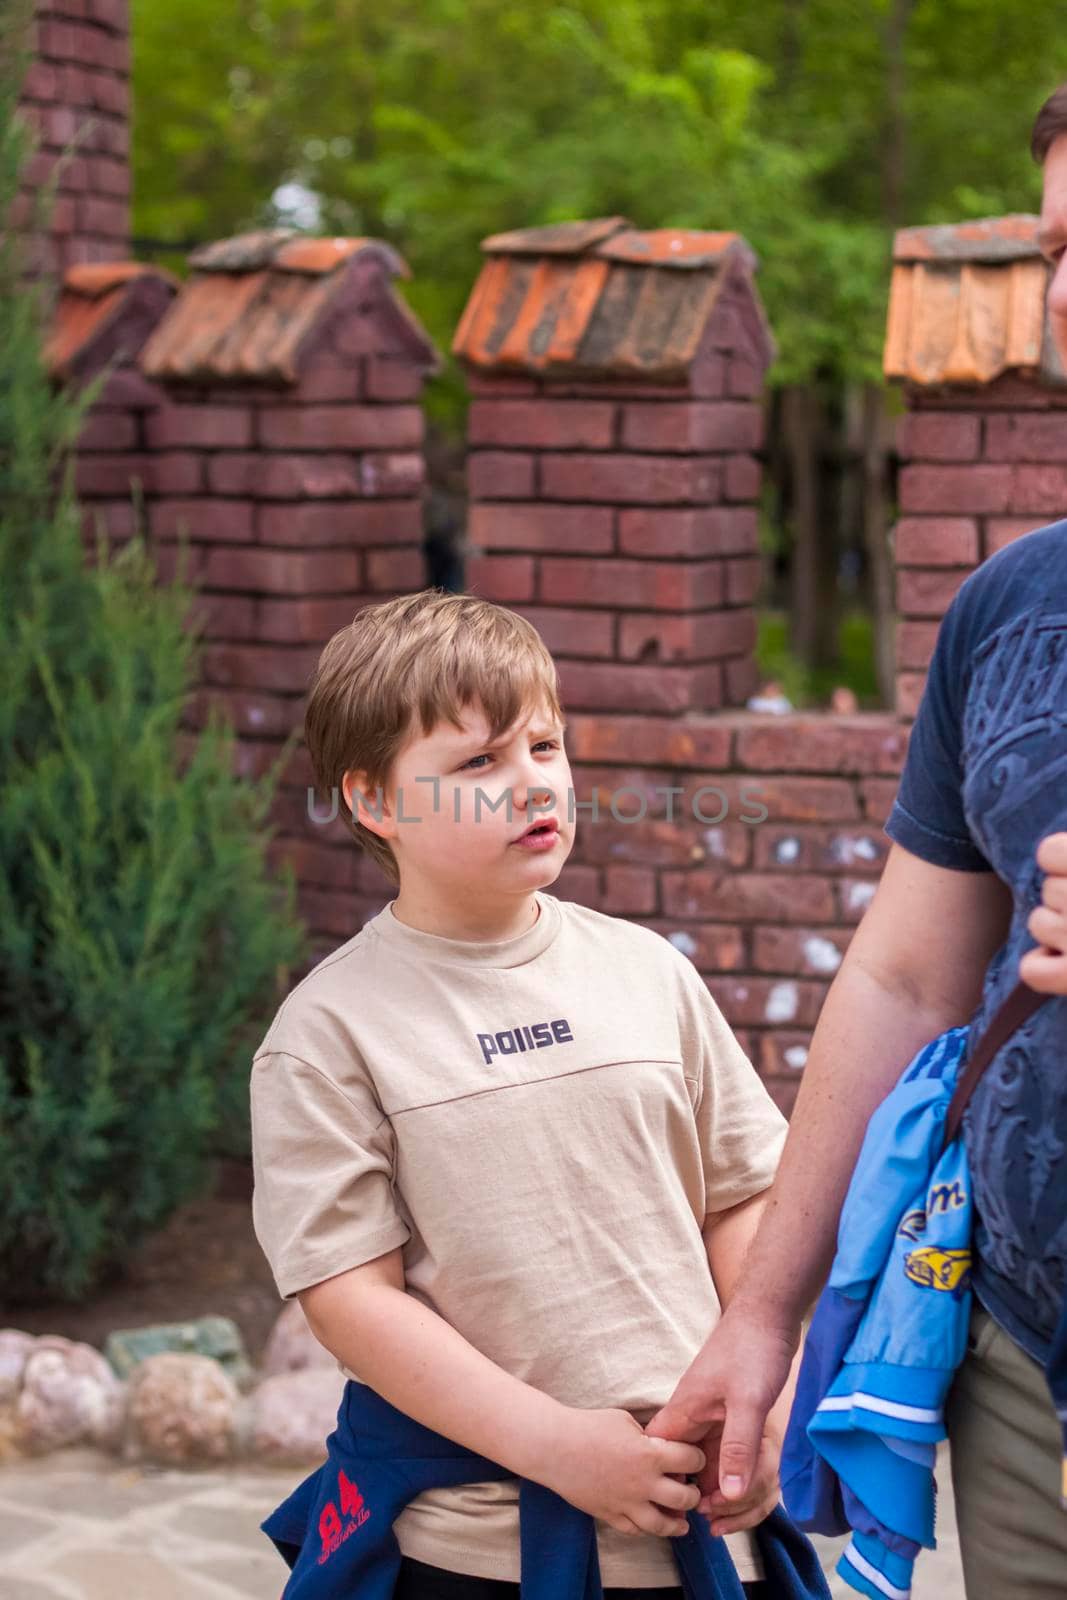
(985, 780)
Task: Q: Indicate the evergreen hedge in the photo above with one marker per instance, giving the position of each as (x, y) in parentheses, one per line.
(144, 939)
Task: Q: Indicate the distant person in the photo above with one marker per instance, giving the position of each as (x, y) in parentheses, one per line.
(843, 701)
(771, 699)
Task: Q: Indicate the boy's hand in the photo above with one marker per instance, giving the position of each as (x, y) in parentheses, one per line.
(1045, 969)
(605, 1463)
(731, 1399)
(763, 1492)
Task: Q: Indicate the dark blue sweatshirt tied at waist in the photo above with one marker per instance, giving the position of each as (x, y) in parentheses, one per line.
(335, 1530)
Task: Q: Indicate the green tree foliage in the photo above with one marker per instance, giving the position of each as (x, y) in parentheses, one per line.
(142, 936)
(812, 126)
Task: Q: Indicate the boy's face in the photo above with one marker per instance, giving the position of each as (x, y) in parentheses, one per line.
(456, 806)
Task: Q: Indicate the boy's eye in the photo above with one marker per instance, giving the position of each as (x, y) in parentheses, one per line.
(552, 744)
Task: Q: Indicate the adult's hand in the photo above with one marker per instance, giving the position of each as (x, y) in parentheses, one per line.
(722, 1402)
(1045, 968)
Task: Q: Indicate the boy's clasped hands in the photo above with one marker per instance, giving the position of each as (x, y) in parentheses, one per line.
(605, 1463)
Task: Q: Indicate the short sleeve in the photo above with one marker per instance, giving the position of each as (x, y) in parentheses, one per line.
(323, 1162)
(741, 1130)
(928, 816)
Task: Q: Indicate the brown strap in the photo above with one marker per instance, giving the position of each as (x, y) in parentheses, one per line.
(1020, 1004)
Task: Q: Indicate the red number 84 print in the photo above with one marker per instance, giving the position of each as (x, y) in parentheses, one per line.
(337, 1526)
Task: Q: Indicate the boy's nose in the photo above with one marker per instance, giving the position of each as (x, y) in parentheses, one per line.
(535, 794)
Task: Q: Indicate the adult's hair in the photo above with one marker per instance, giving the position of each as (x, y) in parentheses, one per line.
(1049, 123)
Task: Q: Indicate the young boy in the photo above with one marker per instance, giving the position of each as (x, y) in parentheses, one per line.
(508, 1154)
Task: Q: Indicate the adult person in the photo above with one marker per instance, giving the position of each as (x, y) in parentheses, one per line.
(974, 894)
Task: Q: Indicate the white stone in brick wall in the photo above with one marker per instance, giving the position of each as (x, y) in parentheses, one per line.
(822, 955)
(847, 850)
(859, 895)
(684, 942)
(715, 840)
(796, 1056)
(782, 1003)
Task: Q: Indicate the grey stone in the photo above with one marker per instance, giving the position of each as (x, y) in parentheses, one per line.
(69, 1395)
(103, 1574)
(29, 1589)
(256, 1575)
(183, 1410)
(295, 1413)
(104, 1494)
(215, 1337)
(225, 1525)
(292, 1346)
(15, 1348)
(18, 1528)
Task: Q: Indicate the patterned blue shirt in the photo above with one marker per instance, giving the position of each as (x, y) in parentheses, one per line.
(984, 782)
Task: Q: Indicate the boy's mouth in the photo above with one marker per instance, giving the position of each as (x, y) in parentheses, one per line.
(540, 834)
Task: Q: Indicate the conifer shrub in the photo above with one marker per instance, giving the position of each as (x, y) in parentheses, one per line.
(144, 939)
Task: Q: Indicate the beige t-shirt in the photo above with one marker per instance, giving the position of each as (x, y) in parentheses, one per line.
(542, 1123)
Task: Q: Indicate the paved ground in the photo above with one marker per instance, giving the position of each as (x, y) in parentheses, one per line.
(77, 1526)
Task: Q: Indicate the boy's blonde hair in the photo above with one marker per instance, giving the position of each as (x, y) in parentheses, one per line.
(409, 664)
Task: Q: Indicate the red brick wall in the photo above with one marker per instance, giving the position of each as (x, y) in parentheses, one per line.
(78, 89)
(299, 506)
(302, 510)
(761, 878)
(622, 522)
(981, 467)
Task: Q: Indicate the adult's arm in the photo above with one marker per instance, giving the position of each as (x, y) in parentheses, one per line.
(728, 1237)
(915, 967)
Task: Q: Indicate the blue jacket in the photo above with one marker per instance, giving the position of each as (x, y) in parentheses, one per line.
(335, 1530)
(888, 1333)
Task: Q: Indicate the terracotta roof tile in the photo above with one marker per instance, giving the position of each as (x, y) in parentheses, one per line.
(967, 304)
(674, 247)
(246, 313)
(92, 278)
(987, 239)
(604, 299)
(318, 256)
(558, 238)
(105, 312)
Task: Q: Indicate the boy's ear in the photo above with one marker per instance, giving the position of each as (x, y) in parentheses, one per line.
(367, 808)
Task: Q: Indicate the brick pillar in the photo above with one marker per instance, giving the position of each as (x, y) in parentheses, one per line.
(289, 450)
(103, 315)
(984, 444)
(613, 473)
(77, 91)
(614, 479)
